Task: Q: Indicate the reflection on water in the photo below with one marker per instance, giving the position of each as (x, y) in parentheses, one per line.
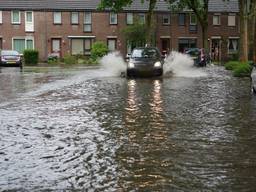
(103, 133)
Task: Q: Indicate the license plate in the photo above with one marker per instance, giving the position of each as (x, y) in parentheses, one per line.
(11, 62)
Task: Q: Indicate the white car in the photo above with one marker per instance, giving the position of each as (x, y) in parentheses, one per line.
(253, 76)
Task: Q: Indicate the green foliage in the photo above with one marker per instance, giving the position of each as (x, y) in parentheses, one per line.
(99, 49)
(231, 65)
(135, 33)
(69, 60)
(240, 69)
(31, 57)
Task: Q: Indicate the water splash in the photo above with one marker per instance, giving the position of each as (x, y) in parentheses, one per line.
(181, 65)
(113, 64)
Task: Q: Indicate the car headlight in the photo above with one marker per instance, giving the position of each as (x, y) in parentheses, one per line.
(130, 65)
(157, 64)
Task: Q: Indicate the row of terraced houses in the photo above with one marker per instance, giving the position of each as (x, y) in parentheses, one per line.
(70, 27)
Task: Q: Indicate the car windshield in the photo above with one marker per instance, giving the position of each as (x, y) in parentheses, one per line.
(193, 52)
(9, 53)
(145, 53)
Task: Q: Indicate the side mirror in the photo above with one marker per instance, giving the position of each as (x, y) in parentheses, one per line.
(128, 56)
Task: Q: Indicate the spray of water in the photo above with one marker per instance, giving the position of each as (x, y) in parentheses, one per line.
(113, 64)
(181, 65)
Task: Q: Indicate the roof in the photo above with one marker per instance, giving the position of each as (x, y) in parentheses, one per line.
(214, 5)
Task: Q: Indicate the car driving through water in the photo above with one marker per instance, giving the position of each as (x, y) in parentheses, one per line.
(144, 62)
(200, 57)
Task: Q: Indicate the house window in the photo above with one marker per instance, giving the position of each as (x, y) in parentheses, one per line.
(15, 17)
(233, 45)
(87, 22)
(182, 18)
(129, 18)
(74, 18)
(81, 46)
(231, 20)
(113, 19)
(193, 23)
(111, 44)
(142, 18)
(166, 20)
(1, 17)
(29, 21)
(216, 20)
(21, 44)
(57, 18)
(186, 43)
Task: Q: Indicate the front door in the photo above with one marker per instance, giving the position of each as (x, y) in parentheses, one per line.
(215, 50)
(165, 46)
(56, 47)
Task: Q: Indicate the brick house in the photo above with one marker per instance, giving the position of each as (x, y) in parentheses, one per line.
(64, 27)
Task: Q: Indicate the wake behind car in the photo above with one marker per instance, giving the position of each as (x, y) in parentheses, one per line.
(144, 62)
(10, 58)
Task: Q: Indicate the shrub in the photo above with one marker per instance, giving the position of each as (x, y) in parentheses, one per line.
(99, 49)
(242, 70)
(69, 59)
(52, 59)
(31, 57)
(231, 65)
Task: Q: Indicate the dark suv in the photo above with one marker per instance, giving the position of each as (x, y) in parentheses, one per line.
(145, 61)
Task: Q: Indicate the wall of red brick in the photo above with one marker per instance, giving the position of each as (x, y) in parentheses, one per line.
(45, 30)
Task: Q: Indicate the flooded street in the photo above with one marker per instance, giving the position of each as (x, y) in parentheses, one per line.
(88, 130)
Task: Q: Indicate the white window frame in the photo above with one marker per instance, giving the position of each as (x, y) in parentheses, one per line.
(129, 21)
(18, 22)
(233, 51)
(190, 22)
(74, 13)
(87, 23)
(29, 26)
(112, 39)
(166, 16)
(219, 19)
(140, 15)
(1, 17)
(229, 17)
(54, 22)
(115, 15)
(23, 38)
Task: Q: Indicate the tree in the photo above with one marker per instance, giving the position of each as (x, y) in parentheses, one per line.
(118, 5)
(135, 34)
(247, 14)
(200, 9)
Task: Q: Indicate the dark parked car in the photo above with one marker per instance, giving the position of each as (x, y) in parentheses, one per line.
(200, 56)
(253, 76)
(145, 61)
(10, 58)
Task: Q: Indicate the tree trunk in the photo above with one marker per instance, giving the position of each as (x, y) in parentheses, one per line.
(243, 46)
(254, 31)
(149, 25)
(205, 36)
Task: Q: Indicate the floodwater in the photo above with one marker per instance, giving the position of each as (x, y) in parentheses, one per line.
(89, 131)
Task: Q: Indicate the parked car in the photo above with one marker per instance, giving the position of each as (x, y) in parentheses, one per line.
(10, 58)
(145, 61)
(253, 77)
(200, 56)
